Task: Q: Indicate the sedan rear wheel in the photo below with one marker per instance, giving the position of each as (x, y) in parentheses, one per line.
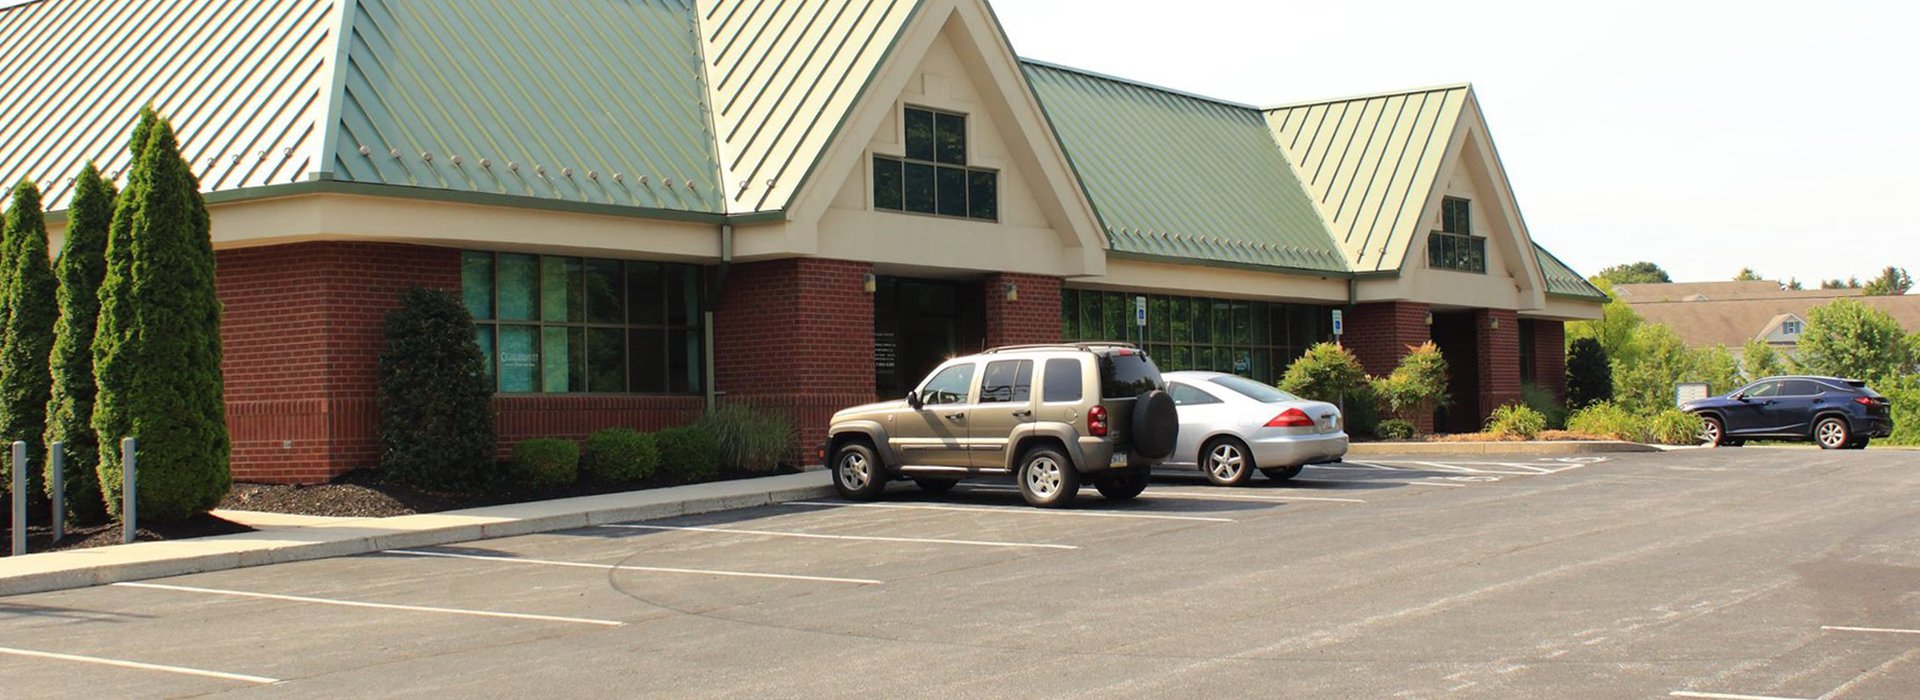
(1226, 462)
(1832, 433)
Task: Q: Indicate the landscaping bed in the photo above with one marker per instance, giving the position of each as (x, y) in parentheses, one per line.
(40, 536)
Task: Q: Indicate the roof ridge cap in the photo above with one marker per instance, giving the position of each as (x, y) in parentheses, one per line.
(1137, 83)
(1447, 87)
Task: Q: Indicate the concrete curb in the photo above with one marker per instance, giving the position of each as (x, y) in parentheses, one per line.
(1545, 449)
(146, 560)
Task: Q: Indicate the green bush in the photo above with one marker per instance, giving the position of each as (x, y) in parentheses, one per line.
(1607, 420)
(688, 454)
(1395, 429)
(1673, 427)
(545, 464)
(1326, 372)
(82, 264)
(750, 439)
(157, 350)
(619, 455)
(1515, 420)
(436, 409)
(1361, 412)
(1904, 393)
(1589, 375)
(1539, 399)
(1416, 386)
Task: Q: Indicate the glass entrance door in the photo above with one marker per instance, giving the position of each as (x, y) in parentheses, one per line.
(918, 324)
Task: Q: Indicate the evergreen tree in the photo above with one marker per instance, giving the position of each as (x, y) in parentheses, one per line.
(25, 384)
(1635, 273)
(70, 412)
(23, 221)
(115, 315)
(1747, 275)
(1589, 374)
(436, 406)
(157, 351)
(1892, 281)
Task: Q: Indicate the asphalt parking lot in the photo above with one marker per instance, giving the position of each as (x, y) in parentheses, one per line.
(1732, 573)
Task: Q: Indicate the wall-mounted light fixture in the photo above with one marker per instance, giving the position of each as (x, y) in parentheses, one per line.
(870, 283)
(1429, 318)
(1012, 291)
(1494, 323)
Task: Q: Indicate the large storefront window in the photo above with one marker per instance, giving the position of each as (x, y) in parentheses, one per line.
(550, 324)
(1249, 338)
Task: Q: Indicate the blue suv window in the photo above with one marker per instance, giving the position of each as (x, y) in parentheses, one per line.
(1801, 387)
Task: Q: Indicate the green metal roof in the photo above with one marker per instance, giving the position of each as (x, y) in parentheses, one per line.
(598, 102)
(1562, 280)
(1180, 176)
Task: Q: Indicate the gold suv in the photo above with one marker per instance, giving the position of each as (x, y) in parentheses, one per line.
(1053, 416)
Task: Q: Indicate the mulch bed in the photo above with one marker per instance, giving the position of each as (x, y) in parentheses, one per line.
(360, 494)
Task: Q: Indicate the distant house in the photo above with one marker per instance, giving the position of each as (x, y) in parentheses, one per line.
(1706, 314)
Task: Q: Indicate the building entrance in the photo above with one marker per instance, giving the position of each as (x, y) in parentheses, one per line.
(918, 324)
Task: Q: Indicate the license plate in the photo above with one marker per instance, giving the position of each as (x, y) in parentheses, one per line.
(1119, 460)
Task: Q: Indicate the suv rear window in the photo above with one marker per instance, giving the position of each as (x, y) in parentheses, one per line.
(1125, 374)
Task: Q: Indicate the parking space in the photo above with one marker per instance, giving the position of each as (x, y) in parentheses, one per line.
(1698, 574)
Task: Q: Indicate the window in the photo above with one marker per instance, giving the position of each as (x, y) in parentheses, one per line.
(1062, 382)
(1184, 395)
(1454, 247)
(1126, 374)
(551, 324)
(1254, 390)
(1800, 387)
(1248, 338)
(934, 178)
(1007, 381)
(1790, 327)
(1762, 390)
(950, 386)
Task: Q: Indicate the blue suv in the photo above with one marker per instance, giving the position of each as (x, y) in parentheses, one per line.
(1834, 413)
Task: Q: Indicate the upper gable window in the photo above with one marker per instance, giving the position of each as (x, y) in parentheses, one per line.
(1454, 247)
(934, 178)
(1790, 327)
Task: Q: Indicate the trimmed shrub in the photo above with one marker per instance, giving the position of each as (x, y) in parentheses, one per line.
(1415, 387)
(688, 454)
(1589, 375)
(545, 464)
(1607, 420)
(750, 439)
(1515, 420)
(1326, 372)
(1362, 412)
(436, 409)
(1395, 429)
(1904, 393)
(27, 312)
(82, 264)
(618, 455)
(1674, 427)
(157, 351)
(1539, 399)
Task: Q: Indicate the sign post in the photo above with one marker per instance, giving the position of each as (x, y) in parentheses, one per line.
(1339, 324)
(1140, 319)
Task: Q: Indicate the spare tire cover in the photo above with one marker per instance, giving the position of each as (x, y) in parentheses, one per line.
(1156, 425)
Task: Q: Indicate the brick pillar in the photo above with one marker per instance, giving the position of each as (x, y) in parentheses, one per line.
(796, 335)
(1031, 319)
(1499, 355)
(1380, 334)
(302, 332)
(1548, 341)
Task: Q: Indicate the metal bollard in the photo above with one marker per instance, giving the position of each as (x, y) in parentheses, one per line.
(127, 499)
(57, 487)
(19, 498)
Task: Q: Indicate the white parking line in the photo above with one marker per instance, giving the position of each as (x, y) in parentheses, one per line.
(1870, 629)
(379, 606)
(1727, 696)
(624, 567)
(139, 665)
(860, 538)
(1030, 511)
(1434, 483)
(1218, 496)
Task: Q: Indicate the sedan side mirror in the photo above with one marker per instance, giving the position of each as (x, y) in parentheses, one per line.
(1739, 396)
(914, 400)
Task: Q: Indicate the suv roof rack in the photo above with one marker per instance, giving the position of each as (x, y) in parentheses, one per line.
(1061, 346)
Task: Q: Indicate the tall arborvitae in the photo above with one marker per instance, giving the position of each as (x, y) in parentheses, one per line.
(30, 294)
(116, 317)
(82, 264)
(163, 342)
(24, 223)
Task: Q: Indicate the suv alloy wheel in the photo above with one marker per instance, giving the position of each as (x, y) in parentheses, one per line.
(1047, 478)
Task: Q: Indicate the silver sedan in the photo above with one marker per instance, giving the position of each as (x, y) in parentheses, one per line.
(1231, 425)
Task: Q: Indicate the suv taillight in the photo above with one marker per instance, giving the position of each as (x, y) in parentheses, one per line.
(1291, 418)
(1863, 400)
(1097, 421)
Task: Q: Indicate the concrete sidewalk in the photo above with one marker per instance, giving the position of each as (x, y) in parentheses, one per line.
(286, 538)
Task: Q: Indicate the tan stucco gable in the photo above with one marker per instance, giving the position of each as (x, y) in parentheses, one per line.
(951, 55)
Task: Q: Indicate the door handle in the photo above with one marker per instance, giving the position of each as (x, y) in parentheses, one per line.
(956, 417)
(1023, 414)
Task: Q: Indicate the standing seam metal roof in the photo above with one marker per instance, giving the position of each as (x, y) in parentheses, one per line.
(1176, 175)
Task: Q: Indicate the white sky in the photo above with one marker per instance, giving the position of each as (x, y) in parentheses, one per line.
(1703, 136)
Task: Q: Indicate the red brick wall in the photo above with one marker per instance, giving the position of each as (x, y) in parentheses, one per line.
(1380, 334)
(796, 335)
(1032, 318)
(1499, 356)
(1548, 341)
(302, 336)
